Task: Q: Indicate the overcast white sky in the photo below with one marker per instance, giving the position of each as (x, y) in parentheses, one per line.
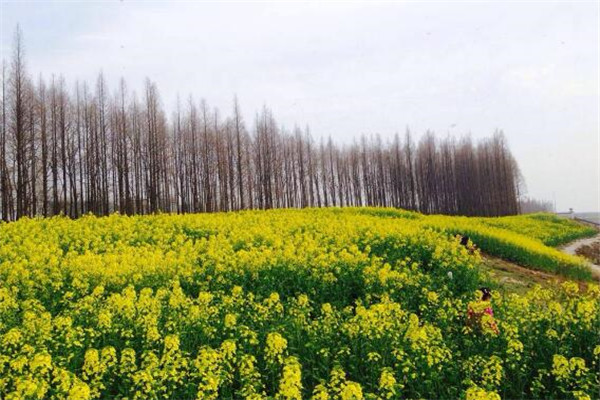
(347, 68)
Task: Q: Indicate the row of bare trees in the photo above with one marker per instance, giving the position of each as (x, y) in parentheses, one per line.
(91, 150)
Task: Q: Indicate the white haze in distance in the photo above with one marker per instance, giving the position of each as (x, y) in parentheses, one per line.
(348, 68)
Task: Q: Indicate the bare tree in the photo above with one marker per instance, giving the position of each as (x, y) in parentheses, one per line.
(100, 151)
(17, 88)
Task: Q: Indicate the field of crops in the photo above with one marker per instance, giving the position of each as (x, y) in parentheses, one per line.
(290, 304)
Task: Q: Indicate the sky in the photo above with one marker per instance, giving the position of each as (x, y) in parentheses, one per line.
(347, 68)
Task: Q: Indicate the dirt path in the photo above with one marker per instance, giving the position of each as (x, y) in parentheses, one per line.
(570, 248)
(515, 278)
(518, 279)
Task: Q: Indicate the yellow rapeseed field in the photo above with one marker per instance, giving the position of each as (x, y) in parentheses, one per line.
(289, 304)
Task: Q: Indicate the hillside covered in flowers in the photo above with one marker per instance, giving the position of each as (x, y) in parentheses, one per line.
(358, 303)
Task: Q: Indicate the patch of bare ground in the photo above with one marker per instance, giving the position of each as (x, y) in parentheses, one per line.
(590, 251)
(513, 278)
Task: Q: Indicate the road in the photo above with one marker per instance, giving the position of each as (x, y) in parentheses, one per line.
(570, 248)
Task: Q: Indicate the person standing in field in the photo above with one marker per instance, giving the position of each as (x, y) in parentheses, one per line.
(466, 242)
(480, 315)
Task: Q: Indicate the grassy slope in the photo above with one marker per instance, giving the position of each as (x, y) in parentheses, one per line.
(527, 240)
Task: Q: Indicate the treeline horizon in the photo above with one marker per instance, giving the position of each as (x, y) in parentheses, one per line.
(528, 205)
(88, 150)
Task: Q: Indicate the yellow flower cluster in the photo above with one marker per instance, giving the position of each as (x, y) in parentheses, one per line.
(288, 304)
(477, 393)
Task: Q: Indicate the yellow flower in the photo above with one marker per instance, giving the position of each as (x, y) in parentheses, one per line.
(171, 343)
(387, 383)
(477, 393)
(104, 319)
(552, 334)
(580, 395)
(79, 391)
(230, 320)
(290, 386)
(560, 366)
(276, 345)
(351, 391)
(432, 297)
(41, 363)
(320, 393)
(228, 348)
(570, 288)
